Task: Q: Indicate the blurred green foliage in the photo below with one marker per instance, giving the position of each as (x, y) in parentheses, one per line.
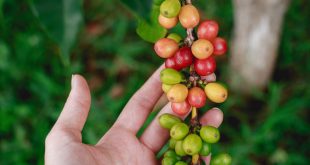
(270, 127)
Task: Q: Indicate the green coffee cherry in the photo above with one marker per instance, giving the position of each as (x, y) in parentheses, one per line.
(167, 120)
(171, 153)
(170, 8)
(179, 131)
(221, 159)
(192, 144)
(170, 76)
(210, 134)
(172, 143)
(168, 161)
(181, 163)
(177, 38)
(166, 87)
(179, 148)
(206, 149)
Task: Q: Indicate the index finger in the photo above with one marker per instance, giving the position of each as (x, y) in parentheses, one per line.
(141, 104)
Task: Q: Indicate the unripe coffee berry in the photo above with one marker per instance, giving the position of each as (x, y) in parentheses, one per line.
(167, 120)
(170, 8)
(179, 131)
(192, 144)
(209, 134)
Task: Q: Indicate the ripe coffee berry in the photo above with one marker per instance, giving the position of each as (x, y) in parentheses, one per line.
(166, 47)
(220, 46)
(170, 63)
(183, 57)
(205, 67)
(208, 30)
(182, 108)
(196, 97)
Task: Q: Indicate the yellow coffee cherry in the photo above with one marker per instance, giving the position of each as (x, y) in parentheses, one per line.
(202, 49)
(216, 92)
(189, 16)
(178, 93)
(167, 23)
(166, 87)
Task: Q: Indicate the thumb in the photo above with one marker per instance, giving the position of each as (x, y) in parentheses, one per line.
(75, 111)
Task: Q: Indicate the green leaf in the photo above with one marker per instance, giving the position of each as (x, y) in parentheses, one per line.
(61, 19)
(150, 32)
(141, 8)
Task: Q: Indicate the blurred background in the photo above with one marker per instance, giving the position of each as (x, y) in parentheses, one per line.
(43, 42)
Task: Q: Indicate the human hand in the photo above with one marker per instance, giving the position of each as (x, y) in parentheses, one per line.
(120, 145)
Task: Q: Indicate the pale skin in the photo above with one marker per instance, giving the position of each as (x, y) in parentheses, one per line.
(120, 145)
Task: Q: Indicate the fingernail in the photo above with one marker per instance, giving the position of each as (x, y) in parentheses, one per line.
(73, 81)
(215, 108)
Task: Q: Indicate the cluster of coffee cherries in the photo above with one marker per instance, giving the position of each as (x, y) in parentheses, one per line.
(189, 80)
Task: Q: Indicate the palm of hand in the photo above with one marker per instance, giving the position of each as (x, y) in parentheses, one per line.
(118, 146)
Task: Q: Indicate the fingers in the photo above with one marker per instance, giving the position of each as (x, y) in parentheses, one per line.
(213, 117)
(141, 104)
(75, 111)
(154, 136)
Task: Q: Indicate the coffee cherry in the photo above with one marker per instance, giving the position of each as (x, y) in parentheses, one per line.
(170, 8)
(209, 134)
(208, 30)
(196, 97)
(172, 143)
(177, 38)
(179, 131)
(216, 92)
(179, 148)
(183, 57)
(220, 46)
(180, 163)
(221, 159)
(166, 47)
(182, 108)
(171, 153)
(170, 76)
(167, 120)
(170, 63)
(177, 93)
(192, 144)
(202, 49)
(167, 23)
(206, 149)
(168, 161)
(189, 16)
(166, 87)
(205, 67)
